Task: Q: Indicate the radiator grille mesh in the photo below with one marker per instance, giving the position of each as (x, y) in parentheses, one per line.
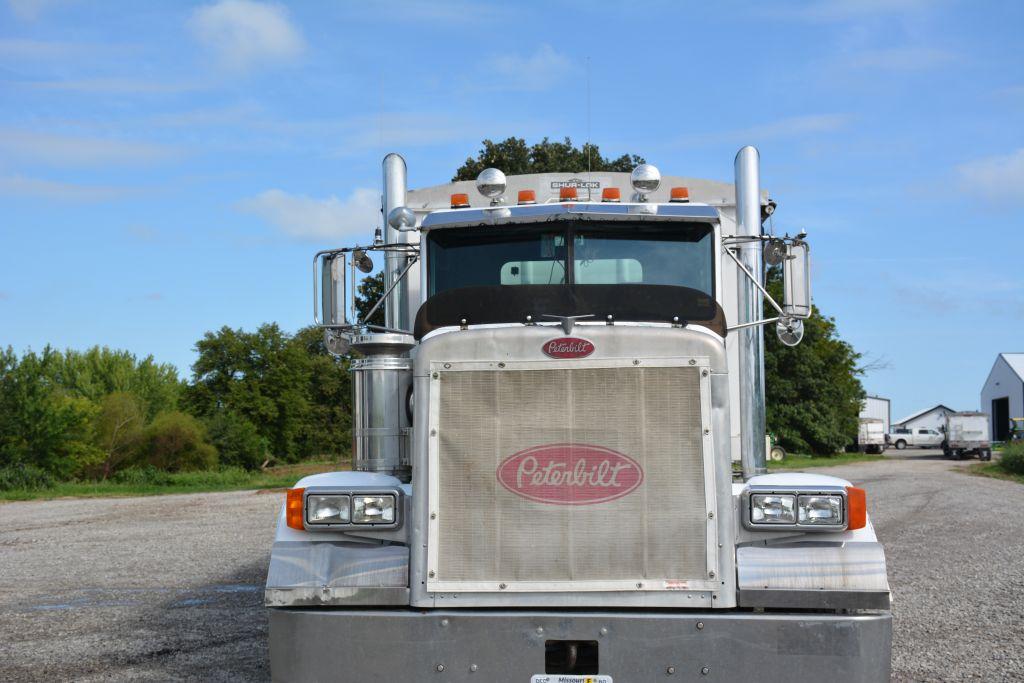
(652, 415)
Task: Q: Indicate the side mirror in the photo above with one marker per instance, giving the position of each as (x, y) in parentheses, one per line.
(796, 281)
(334, 291)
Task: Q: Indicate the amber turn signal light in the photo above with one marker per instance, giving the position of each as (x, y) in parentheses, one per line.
(856, 508)
(293, 509)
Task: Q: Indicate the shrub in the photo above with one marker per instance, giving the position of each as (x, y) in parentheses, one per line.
(1013, 458)
(237, 440)
(142, 476)
(176, 442)
(24, 477)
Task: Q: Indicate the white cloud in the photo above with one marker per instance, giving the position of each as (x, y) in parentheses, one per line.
(38, 188)
(541, 70)
(244, 33)
(310, 218)
(998, 179)
(793, 126)
(901, 59)
(62, 150)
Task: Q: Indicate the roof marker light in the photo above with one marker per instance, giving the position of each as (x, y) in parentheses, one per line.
(567, 194)
(680, 194)
(527, 197)
(611, 194)
(460, 200)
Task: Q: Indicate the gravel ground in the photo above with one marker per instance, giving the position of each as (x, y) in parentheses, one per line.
(170, 587)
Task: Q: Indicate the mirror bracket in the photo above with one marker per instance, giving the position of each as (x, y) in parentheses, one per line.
(343, 289)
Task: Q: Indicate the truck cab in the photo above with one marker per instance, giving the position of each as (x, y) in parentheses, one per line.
(544, 435)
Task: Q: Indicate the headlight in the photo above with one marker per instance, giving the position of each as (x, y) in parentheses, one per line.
(327, 509)
(772, 509)
(373, 509)
(802, 508)
(827, 510)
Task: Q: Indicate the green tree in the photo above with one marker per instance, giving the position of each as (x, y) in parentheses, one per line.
(100, 371)
(813, 390)
(293, 391)
(237, 440)
(328, 426)
(42, 423)
(176, 442)
(117, 430)
(368, 293)
(514, 157)
(259, 375)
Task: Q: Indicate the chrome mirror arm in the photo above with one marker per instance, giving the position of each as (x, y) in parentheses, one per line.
(390, 287)
(757, 284)
(755, 323)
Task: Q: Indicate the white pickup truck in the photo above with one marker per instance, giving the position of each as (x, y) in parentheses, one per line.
(920, 437)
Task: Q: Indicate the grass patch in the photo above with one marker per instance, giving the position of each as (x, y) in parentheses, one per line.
(154, 483)
(993, 470)
(796, 461)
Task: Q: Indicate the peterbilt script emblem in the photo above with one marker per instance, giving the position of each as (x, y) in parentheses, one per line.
(568, 347)
(570, 474)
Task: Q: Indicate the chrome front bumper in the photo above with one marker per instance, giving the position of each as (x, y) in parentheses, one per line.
(492, 646)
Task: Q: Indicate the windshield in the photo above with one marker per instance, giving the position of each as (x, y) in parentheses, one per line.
(679, 254)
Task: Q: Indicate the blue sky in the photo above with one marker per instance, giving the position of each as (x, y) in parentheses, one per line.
(169, 168)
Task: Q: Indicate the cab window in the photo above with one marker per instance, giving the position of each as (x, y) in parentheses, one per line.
(572, 252)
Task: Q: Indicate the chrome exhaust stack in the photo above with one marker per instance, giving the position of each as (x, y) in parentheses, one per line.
(396, 308)
(382, 376)
(750, 309)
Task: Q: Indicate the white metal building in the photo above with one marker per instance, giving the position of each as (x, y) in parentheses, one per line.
(931, 418)
(1002, 396)
(879, 408)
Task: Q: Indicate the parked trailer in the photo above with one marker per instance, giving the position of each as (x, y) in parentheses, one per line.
(871, 435)
(966, 436)
(543, 434)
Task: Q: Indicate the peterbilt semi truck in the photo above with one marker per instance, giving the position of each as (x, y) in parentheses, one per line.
(544, 426)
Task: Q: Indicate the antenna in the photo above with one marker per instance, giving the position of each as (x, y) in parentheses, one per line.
(589, 146)
(380, 113)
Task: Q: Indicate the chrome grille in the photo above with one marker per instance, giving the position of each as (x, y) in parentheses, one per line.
(486, 533)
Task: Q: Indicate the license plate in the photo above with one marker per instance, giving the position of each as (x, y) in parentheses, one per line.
(569, 678)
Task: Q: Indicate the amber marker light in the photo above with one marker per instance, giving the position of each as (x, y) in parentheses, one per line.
(527, 197)
(680, 194)
(567, 194)
(856, 508)
(460, 200)
(293, 509)
(611, 194)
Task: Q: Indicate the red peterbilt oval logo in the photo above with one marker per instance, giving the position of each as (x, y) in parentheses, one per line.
(568, 347)
(570, 474)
